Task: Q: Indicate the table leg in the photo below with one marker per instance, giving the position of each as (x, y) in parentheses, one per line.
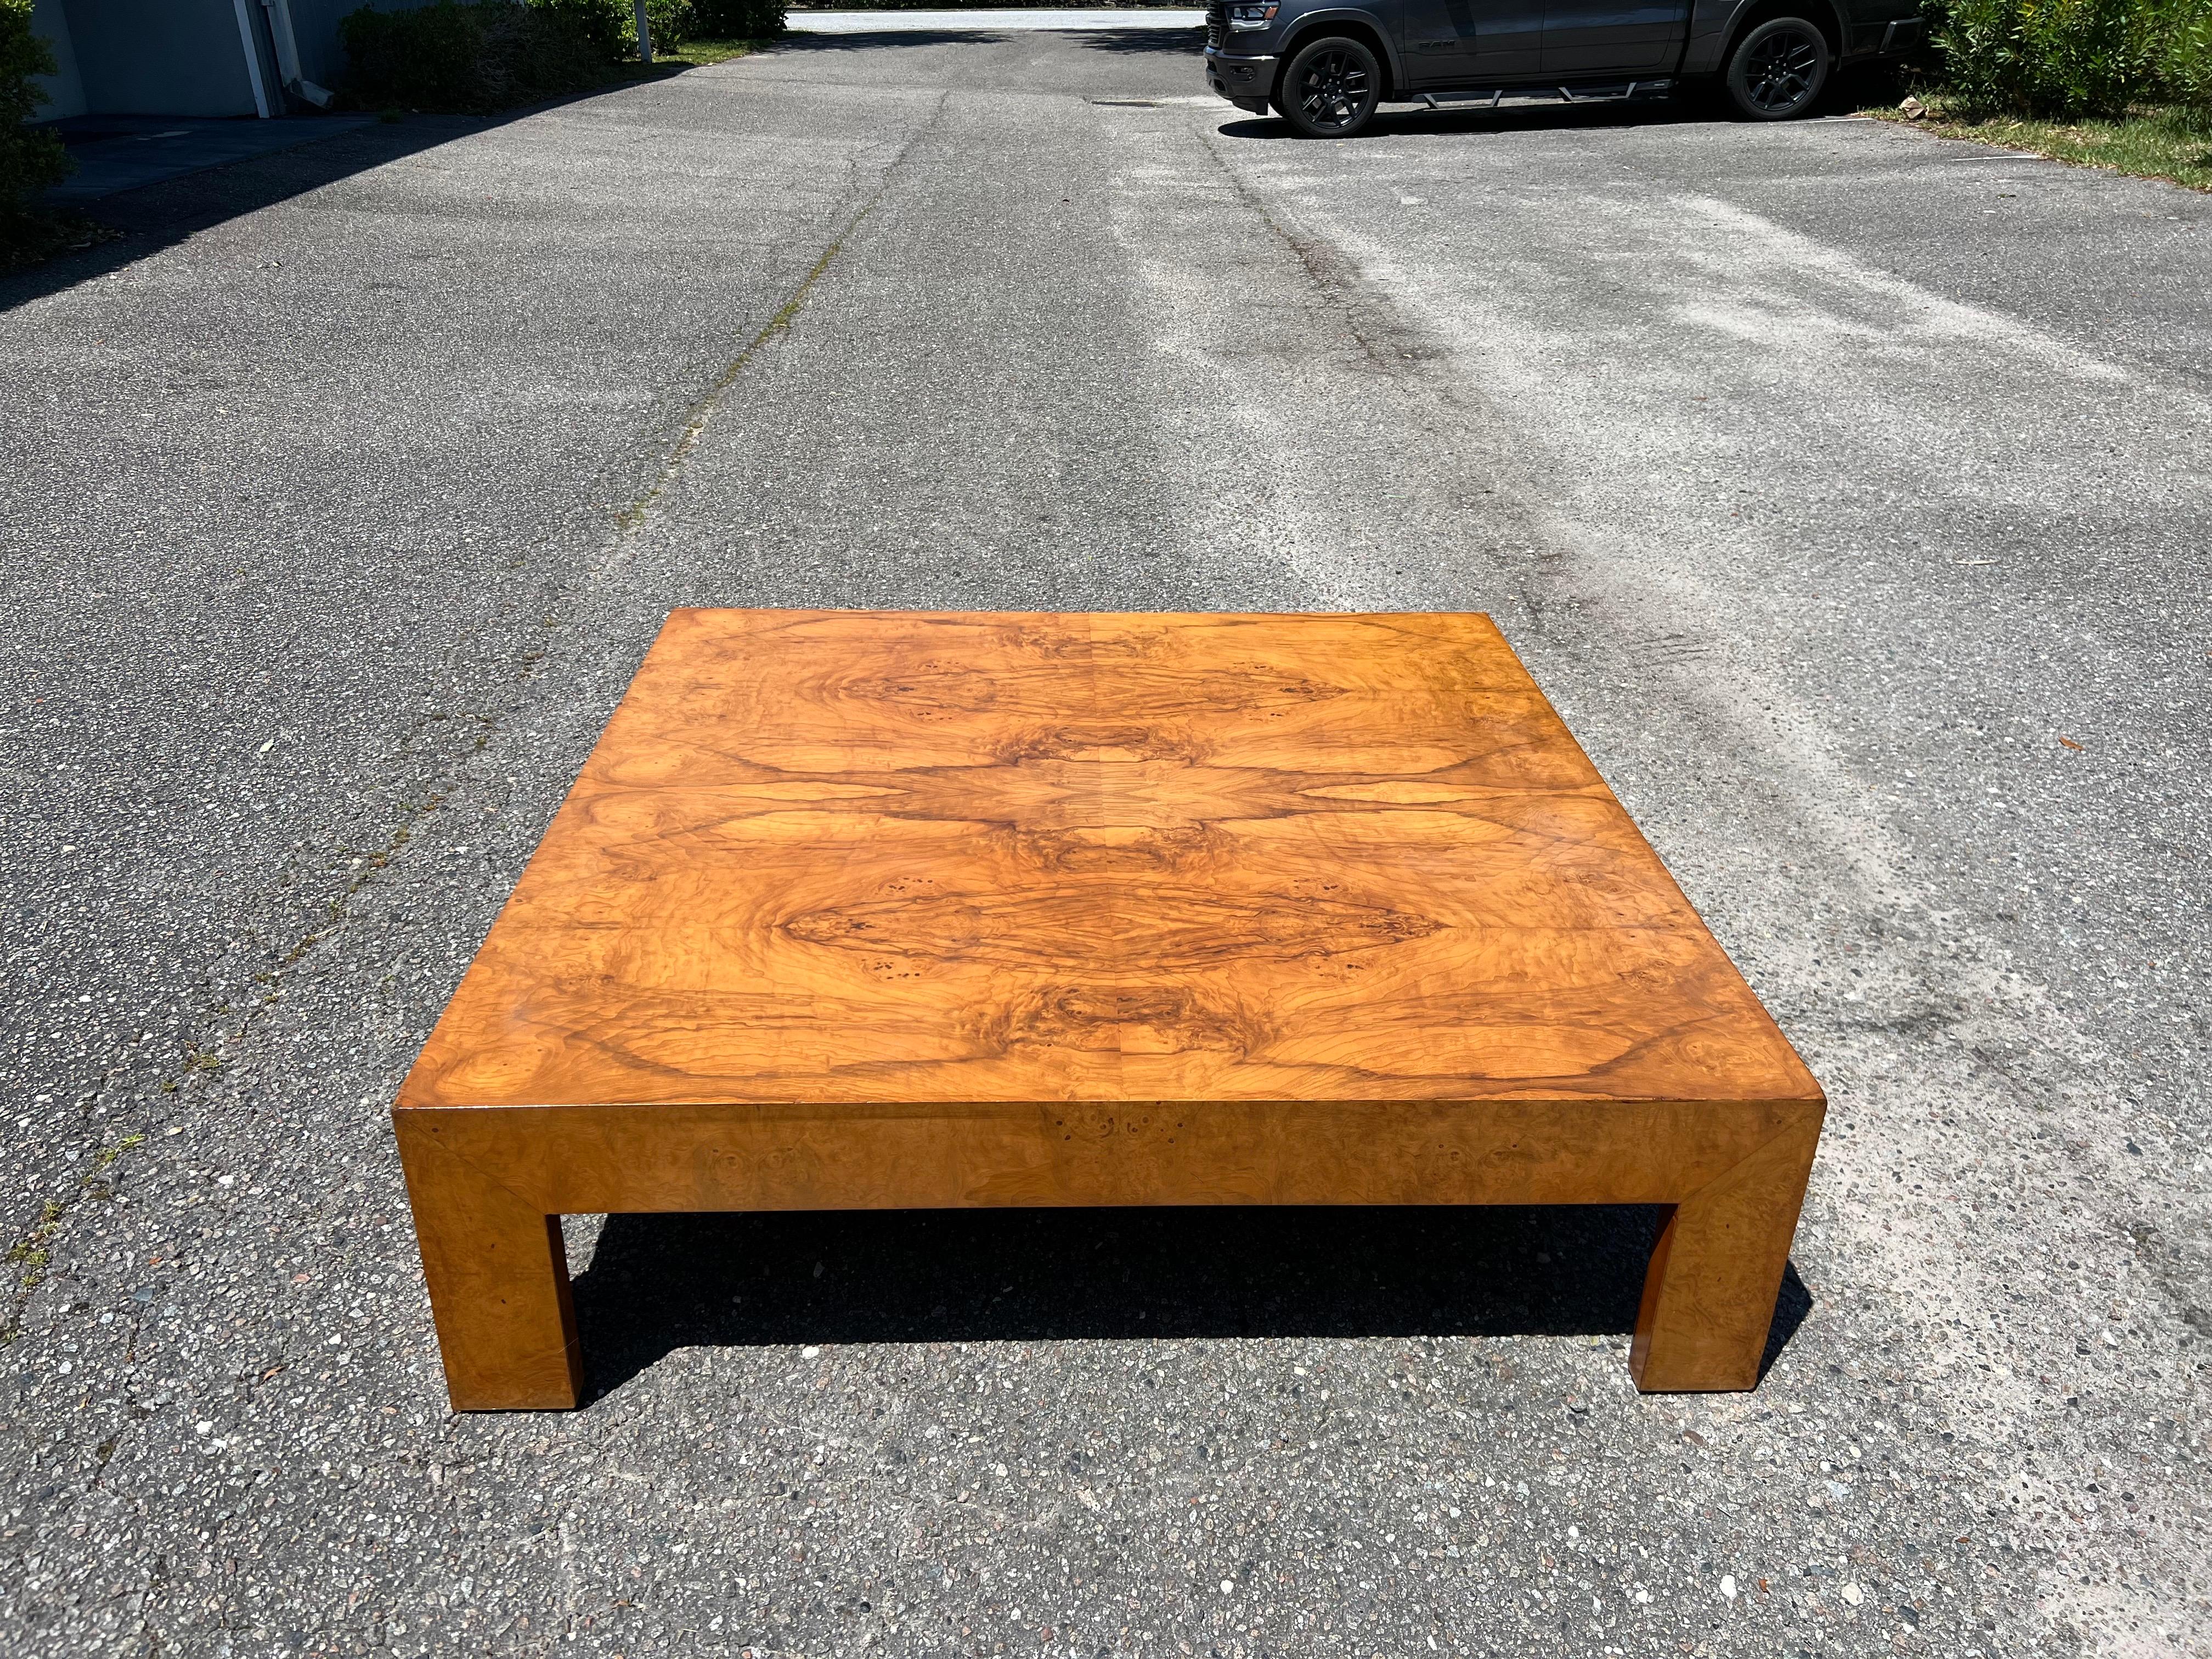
(499, 1286)
(1709, 1297)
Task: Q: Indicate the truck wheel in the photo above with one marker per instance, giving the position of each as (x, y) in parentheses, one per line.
(1779, 69)
(1330, 88)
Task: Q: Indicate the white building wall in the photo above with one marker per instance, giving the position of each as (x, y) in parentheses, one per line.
(160, 57)
(65, 89)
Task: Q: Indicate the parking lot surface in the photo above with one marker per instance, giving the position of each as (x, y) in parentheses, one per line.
(1846, 489)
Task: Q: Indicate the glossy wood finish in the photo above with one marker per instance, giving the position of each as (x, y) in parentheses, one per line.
(859, 910)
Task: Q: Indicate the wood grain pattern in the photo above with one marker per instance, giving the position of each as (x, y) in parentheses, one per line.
(856, 909)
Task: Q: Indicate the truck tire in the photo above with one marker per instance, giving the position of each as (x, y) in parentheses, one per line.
(1330, 87)
(1779, 69)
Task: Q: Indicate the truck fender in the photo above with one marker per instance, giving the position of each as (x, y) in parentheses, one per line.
(1714, 23)
(1370, 21)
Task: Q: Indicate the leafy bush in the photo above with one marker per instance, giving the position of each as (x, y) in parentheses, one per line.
(2183, 60)
(738, 20)
(971, 5)
(2056, 57)
(610, 26)
(432, 58)
(475, 55)
(2066, 59)
(671, 21)
(29, 161)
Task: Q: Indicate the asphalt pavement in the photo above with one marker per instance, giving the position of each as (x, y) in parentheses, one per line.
(1846, 487)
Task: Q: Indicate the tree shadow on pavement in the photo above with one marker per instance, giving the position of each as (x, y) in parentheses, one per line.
(864, 40)
(161, 214)
(1145, 42)
(657, 1283)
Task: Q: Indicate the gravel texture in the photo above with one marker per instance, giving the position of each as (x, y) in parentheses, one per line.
(1847, 489)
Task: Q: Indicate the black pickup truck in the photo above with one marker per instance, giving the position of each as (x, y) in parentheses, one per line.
(1325, 66)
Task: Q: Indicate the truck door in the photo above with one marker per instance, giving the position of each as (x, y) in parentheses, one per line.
(1585, 38)
(1471, 42)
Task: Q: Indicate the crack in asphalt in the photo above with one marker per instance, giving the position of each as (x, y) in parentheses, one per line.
(1408, 355)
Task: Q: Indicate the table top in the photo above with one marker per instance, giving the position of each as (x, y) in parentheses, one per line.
(856, 857)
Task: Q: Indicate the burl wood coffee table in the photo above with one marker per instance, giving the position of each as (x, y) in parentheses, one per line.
(859, 910)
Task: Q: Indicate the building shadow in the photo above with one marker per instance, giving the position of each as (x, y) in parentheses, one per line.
(146, 219)
(162, 214)
(658, 1283)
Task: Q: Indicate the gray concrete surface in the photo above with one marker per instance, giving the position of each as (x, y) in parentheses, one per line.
(1846, 487)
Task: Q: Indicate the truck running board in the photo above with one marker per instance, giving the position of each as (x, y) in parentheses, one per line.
(1604, 92)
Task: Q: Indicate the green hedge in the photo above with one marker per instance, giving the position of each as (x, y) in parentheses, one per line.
(671, 21)
(475, 55)
(30, 160)
(738, 20)
(2059, 59)
(478, 55)
(974, 5)
(2185, 61)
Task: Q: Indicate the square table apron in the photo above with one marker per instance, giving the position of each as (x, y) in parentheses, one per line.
(854, 909)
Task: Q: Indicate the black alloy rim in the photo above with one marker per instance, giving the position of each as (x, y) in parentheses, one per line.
(1334, 92)
(1779, 75)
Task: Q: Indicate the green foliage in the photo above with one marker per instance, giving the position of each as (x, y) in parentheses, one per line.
(430, 58)
(971, 5)
(606, 26)
(480, 55)
(2062, 60)
(29, 161)
(738, 20)
(2184, 63)
(477, 55)
(23, 55)
(2042, 57)
(611, 25)
(671, 21)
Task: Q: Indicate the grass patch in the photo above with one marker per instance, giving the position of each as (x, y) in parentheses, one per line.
(2149, 141)
(692, 54)
(699, 53)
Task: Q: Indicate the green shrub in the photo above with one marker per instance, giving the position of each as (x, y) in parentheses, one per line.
(671, 21)
(477, 55)
(430, 58)
(738, 20)
(2050, 58)
(2060, 59)
(2182, 63)
(29, 161)
(609, 27)
(565, 45)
